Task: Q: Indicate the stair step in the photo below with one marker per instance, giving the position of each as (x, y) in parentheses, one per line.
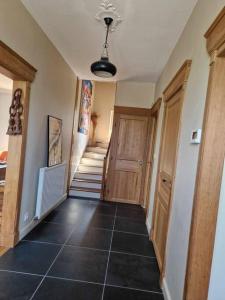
(84, 194)
(91, 190)
(92, 162)
(97, 150)
(87, 176)
(90, 169)
(85, 184)
(102, 145)
(94, 155)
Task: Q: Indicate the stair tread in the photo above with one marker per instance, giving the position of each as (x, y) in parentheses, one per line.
(84, 189)
(87, 180)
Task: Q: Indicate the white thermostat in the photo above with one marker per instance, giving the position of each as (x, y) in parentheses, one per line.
(196, 136)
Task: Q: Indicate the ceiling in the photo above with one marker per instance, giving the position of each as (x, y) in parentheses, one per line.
(140, 45)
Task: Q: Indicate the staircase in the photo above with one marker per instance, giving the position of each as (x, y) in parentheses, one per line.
(87, 181)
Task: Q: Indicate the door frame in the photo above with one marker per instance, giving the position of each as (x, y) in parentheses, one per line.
(124, 110)
(152, 132)
(177, 84)
(208, 183)
(22, 73)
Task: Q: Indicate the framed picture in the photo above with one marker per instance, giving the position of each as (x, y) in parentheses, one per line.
(54, 141)
(85, 107)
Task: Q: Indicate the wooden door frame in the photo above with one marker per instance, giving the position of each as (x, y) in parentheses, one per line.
(210, 168)
(124, 110)
(22, 73)
(177, 85)
(152, 131)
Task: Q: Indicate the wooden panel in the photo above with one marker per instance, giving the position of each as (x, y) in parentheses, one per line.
(216, 33)
(14, 174)
(132, 132)
(207, 189)
(14, 66)
(159, 237)
(172, 118)
(179, 81)
(174, 95)
(127, 158)
(134, 111)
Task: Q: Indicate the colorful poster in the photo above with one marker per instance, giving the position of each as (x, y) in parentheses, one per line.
(85, 107)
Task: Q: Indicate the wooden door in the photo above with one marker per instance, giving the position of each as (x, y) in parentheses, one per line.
(127, 157)
(173, 97)
(152, 131)
(166, 174)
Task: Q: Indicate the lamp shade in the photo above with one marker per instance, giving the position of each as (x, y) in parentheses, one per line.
(103, 68)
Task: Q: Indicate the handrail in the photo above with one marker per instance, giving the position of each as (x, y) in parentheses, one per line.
(105, 171)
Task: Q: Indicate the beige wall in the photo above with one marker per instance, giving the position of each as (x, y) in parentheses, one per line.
(52, 92)
(5, 102)
(135, 94)
(191, 45)
(104, 101)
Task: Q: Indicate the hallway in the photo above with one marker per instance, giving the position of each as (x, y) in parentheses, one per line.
(83, 250)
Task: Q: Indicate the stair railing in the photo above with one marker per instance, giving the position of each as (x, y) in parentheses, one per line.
(105, 172)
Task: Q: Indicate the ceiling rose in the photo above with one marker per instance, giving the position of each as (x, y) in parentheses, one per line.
(107, 9)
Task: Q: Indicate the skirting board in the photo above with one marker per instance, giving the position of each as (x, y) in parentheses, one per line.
(34, 222)
(148, 226)
(165, 290)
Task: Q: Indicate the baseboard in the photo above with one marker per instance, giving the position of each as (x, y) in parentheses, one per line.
(148, 226)
(165, 290)
(35, 222)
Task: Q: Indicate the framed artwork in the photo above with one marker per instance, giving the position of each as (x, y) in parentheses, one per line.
(54, 141)
(85, 107)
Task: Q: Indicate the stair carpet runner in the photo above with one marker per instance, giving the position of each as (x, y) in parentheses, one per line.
(87, 180)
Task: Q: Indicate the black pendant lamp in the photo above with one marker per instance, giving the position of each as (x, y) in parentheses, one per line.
(103, 67)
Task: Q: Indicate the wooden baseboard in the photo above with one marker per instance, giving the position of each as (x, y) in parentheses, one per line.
(3, 250)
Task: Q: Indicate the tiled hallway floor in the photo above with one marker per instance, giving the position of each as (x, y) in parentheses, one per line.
(84, 250)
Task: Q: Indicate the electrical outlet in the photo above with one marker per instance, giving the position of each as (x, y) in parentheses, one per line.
(26, 217)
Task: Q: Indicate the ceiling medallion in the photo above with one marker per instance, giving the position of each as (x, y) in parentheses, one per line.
(107, 9)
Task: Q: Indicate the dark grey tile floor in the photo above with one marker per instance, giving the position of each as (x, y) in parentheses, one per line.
(84, 250)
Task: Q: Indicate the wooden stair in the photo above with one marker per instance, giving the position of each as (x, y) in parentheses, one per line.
(87, 181)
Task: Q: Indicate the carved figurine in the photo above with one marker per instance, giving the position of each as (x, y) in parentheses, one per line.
(15, 113)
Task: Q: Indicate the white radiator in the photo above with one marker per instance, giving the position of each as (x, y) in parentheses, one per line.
(51, 188)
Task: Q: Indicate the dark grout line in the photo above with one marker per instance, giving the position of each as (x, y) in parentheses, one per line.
(107, 266)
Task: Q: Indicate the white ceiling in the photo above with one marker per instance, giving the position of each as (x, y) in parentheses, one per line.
(140, 46)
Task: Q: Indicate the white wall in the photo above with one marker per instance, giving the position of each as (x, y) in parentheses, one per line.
(191, 45)
(217, 286)
(135, 94)
(5, 102)
(104, 101)
(52, 92)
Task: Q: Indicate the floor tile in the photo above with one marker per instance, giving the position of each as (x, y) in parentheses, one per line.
(130, 213)
(133, 271)
(132, 243)
(113, 293)
(29, 257)
(80, 264)
(105, 210)
(65, 217)
(76, 205)
(17, 286)
(102, 221)
(57, 289)
(93, 238)
(49, 232)
(129, 225)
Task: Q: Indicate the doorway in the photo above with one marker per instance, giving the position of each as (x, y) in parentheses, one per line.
(173, 98)
(22, 74)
